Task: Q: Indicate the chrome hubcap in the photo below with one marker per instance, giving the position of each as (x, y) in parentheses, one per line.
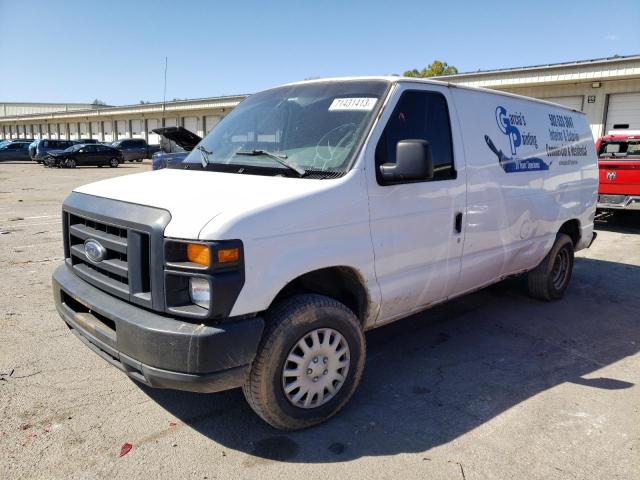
(316, 368)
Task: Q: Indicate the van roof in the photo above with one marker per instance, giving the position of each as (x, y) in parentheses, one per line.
(398, 79)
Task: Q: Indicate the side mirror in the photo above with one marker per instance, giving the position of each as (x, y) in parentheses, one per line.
(414, 162)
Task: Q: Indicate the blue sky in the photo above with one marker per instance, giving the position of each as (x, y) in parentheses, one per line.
(75, 51)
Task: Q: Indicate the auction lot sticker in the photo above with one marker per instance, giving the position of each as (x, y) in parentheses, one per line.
(358, 103)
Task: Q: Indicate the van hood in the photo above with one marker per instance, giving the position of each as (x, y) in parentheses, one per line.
(194, 198)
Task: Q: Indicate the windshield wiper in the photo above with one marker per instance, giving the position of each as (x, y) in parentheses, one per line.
(204, 156)
(280, 158)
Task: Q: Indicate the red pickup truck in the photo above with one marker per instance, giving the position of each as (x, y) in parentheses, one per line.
(619, 165)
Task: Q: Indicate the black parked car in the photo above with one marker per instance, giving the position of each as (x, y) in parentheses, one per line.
(18, 150)
(85, 155)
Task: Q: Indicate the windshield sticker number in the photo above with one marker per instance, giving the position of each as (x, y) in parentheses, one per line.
(365, 104)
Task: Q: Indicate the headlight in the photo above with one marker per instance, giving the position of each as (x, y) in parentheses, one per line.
(200, 292)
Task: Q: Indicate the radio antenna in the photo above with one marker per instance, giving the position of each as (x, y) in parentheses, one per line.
(164, 95)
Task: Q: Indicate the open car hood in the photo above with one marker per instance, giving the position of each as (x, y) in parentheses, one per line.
(180, 135)
(56, 153)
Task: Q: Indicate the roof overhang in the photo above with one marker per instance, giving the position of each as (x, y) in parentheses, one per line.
(615, 68)
(142, 110)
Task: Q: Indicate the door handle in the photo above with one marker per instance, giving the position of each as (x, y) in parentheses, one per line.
(458, 222)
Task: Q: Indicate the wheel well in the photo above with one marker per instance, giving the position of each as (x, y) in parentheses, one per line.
(343, 284)
(571, 228)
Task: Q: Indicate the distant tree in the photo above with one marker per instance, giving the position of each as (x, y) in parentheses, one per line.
(142, 102)
(96, 103)
(435, 69)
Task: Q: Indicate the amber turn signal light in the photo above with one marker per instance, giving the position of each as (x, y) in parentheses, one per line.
(228, 255)
(199, 254)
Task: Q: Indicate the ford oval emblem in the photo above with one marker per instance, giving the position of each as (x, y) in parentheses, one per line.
(611, 176)
(94, 250)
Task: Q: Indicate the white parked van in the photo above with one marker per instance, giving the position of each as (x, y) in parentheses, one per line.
(312, 213)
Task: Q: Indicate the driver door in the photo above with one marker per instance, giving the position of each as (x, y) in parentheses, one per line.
(87, 155)
(417, 227)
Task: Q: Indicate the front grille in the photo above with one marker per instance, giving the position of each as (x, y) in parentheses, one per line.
(125, 269)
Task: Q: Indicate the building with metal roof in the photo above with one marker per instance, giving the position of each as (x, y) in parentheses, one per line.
(607, 90)
(106, 123)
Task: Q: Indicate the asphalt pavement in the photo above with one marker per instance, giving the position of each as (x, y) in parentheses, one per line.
(492, 385)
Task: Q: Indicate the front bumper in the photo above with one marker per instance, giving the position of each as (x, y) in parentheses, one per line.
(619, 202)
(154, 349)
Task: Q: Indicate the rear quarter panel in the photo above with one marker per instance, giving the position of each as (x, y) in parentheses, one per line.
(531, 166)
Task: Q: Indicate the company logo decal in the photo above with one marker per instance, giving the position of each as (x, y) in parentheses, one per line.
(94, 250)
(511, 126)
(611, 176)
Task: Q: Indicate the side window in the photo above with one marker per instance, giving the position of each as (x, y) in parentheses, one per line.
(125, 144)
(423, 116)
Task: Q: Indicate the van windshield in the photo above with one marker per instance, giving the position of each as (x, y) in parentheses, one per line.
(317, 127)
(620, 149)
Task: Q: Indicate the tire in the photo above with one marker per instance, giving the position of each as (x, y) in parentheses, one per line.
(114, 162)
(139, 160)
(549, 280)
(290, 322)
(71, 163)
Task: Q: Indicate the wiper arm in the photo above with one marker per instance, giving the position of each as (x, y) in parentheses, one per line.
(204, 156)
(280, 158)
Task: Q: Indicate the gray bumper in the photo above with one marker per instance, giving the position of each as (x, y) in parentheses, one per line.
(156, 350)
(622, 202)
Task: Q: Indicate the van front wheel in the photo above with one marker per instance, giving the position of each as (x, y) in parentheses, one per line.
(549, 280)
(309, 362)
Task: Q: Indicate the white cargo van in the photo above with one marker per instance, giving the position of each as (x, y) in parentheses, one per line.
(312, 213)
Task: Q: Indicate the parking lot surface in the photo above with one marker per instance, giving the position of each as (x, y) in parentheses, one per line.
(492, 385)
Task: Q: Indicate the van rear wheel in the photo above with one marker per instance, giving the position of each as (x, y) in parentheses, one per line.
(549, 280)
(309, 362)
